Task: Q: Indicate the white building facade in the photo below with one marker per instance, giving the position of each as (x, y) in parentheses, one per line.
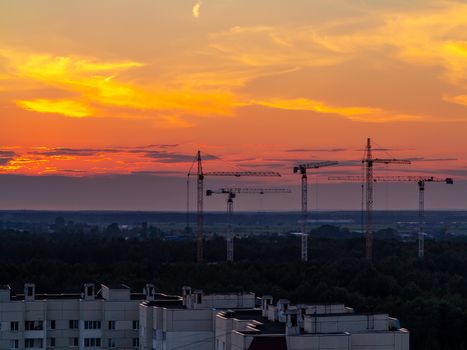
(114, 318)
(104, 319)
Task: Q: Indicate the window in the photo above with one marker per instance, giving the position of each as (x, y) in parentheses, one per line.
(92, 324)
(199, 298)
(135, 325)
(89, 291)
(33, 343)
(92, 342)
(33, 325)
(135, 342)
(111, 325)
(14, 326)
(111, 343)
(14, 344)
(30, 291)
(51, 342)
(73, 324)
(73, 342)
(52, 324)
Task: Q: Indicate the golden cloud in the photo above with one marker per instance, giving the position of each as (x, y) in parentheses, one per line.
(361, 114)
(435, 36)
(98, 84)
(68, 108)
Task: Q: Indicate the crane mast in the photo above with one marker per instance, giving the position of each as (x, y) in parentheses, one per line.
(421, 217)
(369, 201)
(200, 194)
(302, 169)
(369, 161)
(231, 194)
(200, 211)
(230, 236)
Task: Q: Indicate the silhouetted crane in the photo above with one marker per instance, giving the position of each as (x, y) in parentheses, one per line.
(231, 194)
(302, 169)
(200, 194)
(369, 161)
(420, 180)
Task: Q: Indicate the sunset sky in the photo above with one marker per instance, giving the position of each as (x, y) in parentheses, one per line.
(103, 104)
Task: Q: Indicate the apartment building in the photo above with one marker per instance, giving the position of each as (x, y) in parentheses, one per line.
(189, 323)
(114, 318)
(307, 327)
(93, 319)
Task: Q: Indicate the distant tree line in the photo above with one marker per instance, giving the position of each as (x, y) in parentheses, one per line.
(429, 296)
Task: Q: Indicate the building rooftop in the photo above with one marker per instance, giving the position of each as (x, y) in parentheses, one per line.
(19, 297)
(262, 325)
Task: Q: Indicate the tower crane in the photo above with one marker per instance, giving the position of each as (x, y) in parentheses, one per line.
(200, 194)
(369, 161)
(420, 180)
(231, 194)
(302, 169)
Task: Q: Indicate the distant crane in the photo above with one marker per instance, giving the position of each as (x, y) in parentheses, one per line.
(420, 180)
(200, 194)
(231, 194)
(369, 161)
(302, 169)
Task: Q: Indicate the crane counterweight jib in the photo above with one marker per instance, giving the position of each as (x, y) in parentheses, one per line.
(357, 178)
(239, 190)
(313, 165)
(391, 161)
(243, 173)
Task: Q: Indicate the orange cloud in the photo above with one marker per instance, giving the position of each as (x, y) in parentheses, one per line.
(68, 108)
(362, 114)
(97, 84)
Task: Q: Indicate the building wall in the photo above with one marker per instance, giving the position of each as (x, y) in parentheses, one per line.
(320, 342)
(380, 341)
(61, 312)
(346, 323)
(145, 327)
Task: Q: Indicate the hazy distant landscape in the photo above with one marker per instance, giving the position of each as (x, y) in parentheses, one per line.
(437, 223)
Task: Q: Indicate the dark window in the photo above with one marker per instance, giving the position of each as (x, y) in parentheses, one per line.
(52, 324)
(33, 343)
(92, 342)
(92, 324)
(135, 324)
(73, 324)
(89, 291)
(33, 325)
(14, 326)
